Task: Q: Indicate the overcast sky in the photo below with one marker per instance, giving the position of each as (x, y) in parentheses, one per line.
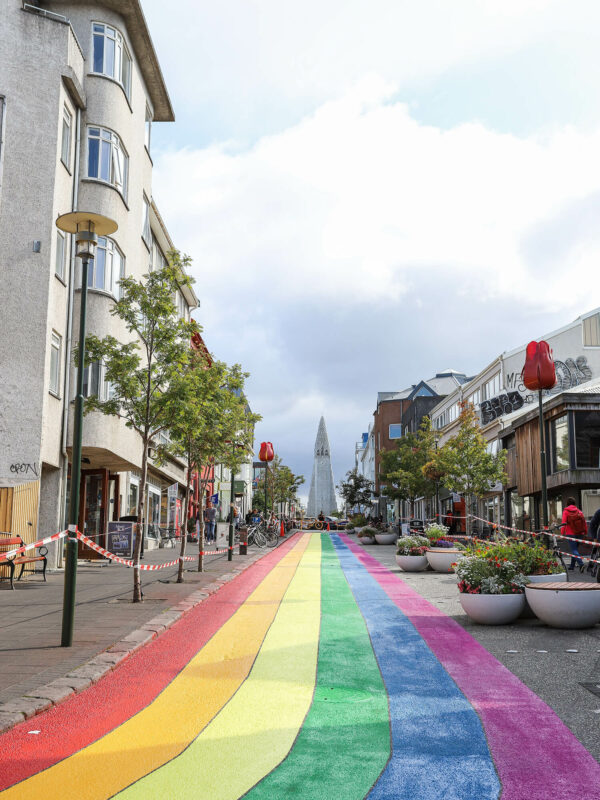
(373, 191)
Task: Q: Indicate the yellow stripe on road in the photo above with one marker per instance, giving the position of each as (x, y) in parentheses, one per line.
(166, 727)
(255, 731)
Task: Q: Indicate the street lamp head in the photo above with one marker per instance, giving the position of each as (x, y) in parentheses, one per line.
(87, 227)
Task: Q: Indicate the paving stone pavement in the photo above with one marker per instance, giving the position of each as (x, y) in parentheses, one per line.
(35, 671)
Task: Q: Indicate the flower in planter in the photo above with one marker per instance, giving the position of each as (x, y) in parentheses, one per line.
(412, 546)
(530, 559)
(488, 575)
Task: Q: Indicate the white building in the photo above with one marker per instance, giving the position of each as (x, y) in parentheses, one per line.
(80, 88)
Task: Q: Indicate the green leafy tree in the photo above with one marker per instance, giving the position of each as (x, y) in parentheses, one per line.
(211, 412)
(143, 372)
(466, 464)
(356, 490)
(402, 468)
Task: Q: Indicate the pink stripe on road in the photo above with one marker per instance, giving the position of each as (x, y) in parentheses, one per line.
(536, 755)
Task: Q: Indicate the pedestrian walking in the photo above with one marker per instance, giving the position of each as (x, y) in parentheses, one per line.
(574, 524)
(210, 521)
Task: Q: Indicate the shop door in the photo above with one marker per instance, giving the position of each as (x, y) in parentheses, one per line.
(92, 512)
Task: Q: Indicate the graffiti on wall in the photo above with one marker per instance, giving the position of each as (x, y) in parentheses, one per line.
(569, 373)
(497, 406)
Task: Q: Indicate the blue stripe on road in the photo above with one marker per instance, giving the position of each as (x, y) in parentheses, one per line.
(439, 749)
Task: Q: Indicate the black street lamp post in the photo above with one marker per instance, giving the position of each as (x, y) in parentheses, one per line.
(86, 227)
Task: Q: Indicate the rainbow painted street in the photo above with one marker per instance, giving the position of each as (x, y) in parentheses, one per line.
(317, 674)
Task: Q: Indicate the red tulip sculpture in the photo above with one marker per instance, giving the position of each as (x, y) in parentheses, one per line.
(539, 372)
(266, 452)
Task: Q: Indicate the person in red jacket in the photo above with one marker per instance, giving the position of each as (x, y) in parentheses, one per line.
(574, 524)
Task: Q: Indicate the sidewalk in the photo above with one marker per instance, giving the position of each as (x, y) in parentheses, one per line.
(30, 626)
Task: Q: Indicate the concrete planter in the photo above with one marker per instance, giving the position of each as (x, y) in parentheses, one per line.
(386, 538)
(492, 609)
(441, 558)
(527, 613)
(565, 608)
(412, 563)
(366, 539)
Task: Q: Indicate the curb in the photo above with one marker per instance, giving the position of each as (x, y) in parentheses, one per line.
(44, 697)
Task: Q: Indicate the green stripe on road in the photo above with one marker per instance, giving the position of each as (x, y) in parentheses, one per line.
(344, 743)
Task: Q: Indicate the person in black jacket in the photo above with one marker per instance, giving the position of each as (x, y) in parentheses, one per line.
(593, 525)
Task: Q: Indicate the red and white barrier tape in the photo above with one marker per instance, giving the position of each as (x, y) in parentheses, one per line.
(41, 543)
(583, 558)
(538, 533)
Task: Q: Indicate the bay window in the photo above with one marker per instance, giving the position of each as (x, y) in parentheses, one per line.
(107, 159)
(111, 56)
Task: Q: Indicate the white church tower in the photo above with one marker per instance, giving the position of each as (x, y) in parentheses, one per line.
(322, 490)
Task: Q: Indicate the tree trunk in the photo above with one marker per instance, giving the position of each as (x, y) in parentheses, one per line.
(468, 514)
(185, 517)
(137, 584)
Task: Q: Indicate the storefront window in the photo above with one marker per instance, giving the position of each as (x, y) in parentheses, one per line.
(132, 505)
(560, 444)
(587, 439)
(555, 509)
(520, 511)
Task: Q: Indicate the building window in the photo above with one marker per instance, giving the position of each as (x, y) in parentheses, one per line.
(134, 490)
(107, 159)
(157, 259)
(146, 231)
(148, 128)
(587, 439)
(591, 331)
(475, 398)
(65, 148)
(107, 269)
(55, 348)
(95, 383)
(111, 56)
(395, 431)
(61, 255)
(560, 444)
(492, 387)
(181, 305)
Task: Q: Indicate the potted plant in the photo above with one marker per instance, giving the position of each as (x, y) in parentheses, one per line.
(441, 553)
(410, 553)
(491, 589)
(367, 536)
(535, 561)
(386, 536)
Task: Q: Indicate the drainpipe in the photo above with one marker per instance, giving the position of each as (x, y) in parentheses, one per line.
(67, 380)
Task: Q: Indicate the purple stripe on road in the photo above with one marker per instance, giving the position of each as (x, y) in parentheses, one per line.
(536, 755)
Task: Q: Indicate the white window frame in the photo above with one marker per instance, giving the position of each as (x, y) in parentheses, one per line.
(112, 158)
(590, 331)
(104, 387)
(157, 258)
(148, 129)
(146, 229)
(122, 63)
(66, 136)
(114, 267)
(55, 356)
(394, 425)
(61, 255)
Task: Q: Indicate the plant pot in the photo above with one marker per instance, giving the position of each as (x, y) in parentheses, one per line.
(441, 558)
(366, 539)
(492, 609)
(412, 563)
(527, 612)
(565, 608)
(386, 538)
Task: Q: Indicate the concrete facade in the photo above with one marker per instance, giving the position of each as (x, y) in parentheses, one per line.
(321, 497)
(51, 107)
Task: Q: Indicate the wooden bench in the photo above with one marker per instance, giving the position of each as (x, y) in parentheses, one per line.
(21, 559)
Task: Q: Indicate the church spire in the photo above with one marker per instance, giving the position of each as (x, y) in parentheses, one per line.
(322, 497)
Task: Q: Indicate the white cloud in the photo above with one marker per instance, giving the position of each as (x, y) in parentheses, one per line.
(313, 249)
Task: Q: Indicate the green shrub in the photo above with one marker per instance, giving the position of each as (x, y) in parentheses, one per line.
(529, 559)
(358, 520)
(483, 575)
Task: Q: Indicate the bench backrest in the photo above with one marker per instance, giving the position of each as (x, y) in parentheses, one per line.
(9, 542)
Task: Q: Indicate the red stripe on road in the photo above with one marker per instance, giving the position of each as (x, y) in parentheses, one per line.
(130, 687)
